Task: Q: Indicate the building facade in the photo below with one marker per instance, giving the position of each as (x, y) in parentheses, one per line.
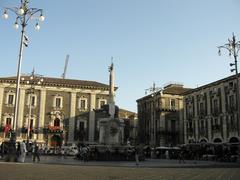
(53, 112)
(131, 126)
(210, 113)
(159, 116)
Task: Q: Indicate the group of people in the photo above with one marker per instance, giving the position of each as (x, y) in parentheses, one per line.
(17, 151)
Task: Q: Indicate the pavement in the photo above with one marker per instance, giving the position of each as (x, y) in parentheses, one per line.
(150, 163)
(67, 168)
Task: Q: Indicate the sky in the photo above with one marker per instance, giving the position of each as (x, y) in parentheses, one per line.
(159, 41)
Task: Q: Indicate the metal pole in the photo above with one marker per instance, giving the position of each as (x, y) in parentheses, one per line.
(154, 121)
(233, 47)
(237, 93)
(18, 77)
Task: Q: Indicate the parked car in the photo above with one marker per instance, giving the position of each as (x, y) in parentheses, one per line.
(71, 150)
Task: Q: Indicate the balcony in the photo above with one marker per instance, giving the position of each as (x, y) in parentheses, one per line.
(53, 129)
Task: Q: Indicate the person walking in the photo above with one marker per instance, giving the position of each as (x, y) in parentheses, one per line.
(36, 153)
(181, 157)
(137, 156)
(23, 151)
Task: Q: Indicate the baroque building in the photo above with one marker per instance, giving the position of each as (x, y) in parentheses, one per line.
(210, 113)
(54, 112)
(159, 116)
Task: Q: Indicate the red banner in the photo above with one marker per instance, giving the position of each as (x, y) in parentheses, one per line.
(7, 128)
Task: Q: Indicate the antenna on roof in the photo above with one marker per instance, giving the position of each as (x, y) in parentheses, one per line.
(65, 67)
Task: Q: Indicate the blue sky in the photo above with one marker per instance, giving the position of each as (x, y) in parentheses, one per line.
(151, 41)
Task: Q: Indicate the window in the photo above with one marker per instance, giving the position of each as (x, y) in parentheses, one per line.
(172, 104)
(8, 121)
(190, 125)
(33, 100)
(57, 122)
(10, 99)
(81, 126)
(201, 109)
(82, 104)
(58, 102)
(215, 106)
(101, 102)
(231, 101)
(173, 126)
(231, 121)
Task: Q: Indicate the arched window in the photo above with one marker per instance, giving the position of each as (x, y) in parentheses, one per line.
(234, 140)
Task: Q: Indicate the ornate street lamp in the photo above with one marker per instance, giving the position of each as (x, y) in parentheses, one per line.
(23, 15)
(153, 91)
(233, 47)
(32, 81)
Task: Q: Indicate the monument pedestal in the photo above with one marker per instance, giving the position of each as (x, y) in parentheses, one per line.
(111, 131)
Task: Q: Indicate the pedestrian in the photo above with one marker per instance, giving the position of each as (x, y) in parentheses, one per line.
(137, 156)
(18, 150)
(23, 151)
(85, 152)
(167, 154)
(181, 157)
(36, 153)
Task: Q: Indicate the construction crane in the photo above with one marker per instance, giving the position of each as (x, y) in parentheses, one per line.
(65, 67)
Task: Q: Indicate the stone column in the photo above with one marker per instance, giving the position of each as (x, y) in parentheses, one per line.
(209, 125)
(72, 117)
(19, 121)
(183, 122)
(1, 103)
(152, 123)
(41, 120)
(91, 127)
(224, 123)
(196, 119)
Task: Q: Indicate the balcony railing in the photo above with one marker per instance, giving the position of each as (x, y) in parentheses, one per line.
(52, 129)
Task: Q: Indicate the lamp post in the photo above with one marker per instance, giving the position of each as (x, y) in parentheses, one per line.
(154, 91)
(233, 47)
(23, 15)
(32, 81)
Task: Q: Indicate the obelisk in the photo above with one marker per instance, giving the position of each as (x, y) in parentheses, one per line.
(111, 128)
(111, 101)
